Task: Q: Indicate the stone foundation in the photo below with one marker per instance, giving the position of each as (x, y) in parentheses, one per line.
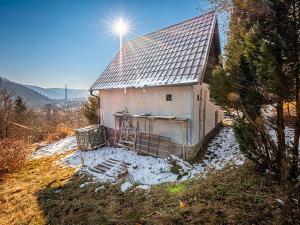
(200, 148)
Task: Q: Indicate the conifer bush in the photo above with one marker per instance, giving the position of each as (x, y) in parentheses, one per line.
(262, 70)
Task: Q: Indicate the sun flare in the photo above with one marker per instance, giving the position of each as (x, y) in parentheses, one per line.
(120, 27)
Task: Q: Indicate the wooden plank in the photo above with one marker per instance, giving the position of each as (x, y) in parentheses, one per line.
(148, 139)
(128, 128)
(158, 146)
(107, 163)
(127, 142)
(103, 165)
(153, 143)
(143, 148)
(141, 135)
(164, 150)
(148, 153)
(96, 170)
(153, 137)
(120, 145)
(148, 147)
(115, 160)
(119, 161)
(98, 167)
(163, 154)
(110, 161)
(126, 163)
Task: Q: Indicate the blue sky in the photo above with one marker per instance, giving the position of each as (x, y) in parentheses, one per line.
(52, 42)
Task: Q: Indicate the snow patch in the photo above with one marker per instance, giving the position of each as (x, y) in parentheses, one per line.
(125, 186)
(146, 170)
(57, 147)
(85, 184)
(99, 188)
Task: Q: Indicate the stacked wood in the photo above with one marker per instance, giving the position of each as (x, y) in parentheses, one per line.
(91, 137)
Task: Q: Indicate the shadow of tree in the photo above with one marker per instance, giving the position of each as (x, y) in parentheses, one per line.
(81, 201)
(232, 196)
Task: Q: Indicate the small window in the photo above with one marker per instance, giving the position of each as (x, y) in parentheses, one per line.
(168, 98)
(198, 98)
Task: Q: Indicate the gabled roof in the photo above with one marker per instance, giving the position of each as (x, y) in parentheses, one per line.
(170, 56)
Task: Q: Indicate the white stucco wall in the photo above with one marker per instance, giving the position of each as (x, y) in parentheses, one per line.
(206, 122)
(152, 100)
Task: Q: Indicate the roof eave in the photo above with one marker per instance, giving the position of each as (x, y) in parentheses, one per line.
(152, 86)
(211, 35)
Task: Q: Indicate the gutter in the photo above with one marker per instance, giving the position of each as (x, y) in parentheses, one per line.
(98, 100)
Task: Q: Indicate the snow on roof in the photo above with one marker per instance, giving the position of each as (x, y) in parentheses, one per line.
(170, 56)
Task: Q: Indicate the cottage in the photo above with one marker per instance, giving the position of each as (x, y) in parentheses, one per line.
(156, 89)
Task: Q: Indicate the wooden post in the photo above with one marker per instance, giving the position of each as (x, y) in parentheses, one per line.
(204, 113)
(216, 117)
(200, 115)
(104, 135)
(115, 130)
(158, 146)
(148, 142)
(136, 132)
(183, 137)
(186, 137)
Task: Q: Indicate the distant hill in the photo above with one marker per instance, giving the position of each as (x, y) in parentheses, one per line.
(59, 93)
(30, 96)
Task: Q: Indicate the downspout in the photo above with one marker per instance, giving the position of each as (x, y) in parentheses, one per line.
(98, 102)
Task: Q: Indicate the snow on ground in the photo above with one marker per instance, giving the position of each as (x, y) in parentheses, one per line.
(147, 170)
(222, 150)
(289, 134)
(60, 146)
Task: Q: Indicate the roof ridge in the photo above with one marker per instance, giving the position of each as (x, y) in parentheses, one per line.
(161, 29)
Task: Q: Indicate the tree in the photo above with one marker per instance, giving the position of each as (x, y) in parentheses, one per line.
(20, 110)
(261, 70)
(6, 108)
(90, 109)
(19, 105)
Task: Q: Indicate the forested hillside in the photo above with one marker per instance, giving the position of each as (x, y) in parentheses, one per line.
(29, 96)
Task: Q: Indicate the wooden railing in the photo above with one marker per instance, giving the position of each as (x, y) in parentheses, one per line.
(26, 133)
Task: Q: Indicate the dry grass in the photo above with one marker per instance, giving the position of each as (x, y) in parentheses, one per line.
(59, 133)
(12, 155)
(18, 193)
(45, 193)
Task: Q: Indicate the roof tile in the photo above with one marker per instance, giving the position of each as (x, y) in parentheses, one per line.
(170, 56)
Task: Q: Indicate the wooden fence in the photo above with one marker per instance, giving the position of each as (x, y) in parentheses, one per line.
(21, 132)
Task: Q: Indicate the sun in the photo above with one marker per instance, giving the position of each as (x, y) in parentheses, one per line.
(120, 27)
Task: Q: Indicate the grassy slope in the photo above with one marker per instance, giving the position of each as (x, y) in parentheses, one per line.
(45, 193)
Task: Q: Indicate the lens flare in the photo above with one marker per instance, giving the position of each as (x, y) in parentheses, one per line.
(120, 27)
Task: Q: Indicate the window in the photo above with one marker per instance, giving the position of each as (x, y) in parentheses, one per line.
(198, 98)
(168, 98)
